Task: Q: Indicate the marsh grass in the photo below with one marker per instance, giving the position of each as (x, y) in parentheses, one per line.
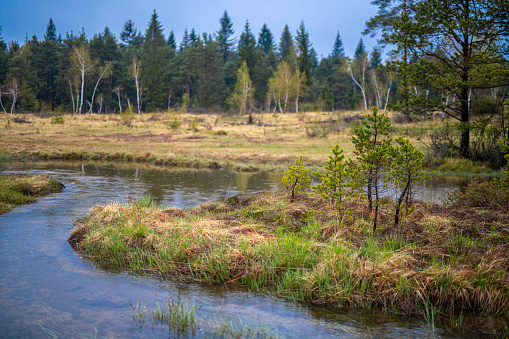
(183, 319)
(214, 141)
(454, 258)
(17, 190)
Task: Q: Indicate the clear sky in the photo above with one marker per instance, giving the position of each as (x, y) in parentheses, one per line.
(323, 18)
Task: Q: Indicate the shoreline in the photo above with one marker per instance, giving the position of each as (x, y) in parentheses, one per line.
(17, 190)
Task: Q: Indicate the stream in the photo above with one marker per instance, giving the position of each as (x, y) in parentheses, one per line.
(48, 291)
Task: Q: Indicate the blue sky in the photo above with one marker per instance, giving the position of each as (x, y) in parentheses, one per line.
(323, 18)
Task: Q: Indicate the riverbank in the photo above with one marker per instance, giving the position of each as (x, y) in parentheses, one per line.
(16, 190)
(441, 262)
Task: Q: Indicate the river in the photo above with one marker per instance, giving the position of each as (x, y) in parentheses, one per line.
(48, 290)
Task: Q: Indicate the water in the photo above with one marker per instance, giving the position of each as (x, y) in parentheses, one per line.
(47, 290)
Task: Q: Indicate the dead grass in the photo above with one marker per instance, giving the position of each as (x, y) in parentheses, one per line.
(273, 141)
(17, 190)
(441, 257)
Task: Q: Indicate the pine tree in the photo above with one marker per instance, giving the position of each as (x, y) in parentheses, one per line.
(391, 14)
(224, 36)
(459, 48)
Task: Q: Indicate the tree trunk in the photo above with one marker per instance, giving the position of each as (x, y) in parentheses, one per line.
(465, 134)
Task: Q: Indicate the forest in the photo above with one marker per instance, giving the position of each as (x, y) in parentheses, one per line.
(445, 58)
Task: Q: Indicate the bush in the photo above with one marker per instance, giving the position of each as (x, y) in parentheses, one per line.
(490, 194)
(57, 119)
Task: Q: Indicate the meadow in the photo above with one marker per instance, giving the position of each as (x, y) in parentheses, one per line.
(200, 140)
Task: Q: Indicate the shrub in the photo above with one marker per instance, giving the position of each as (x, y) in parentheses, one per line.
(57, 119)
(297, 178)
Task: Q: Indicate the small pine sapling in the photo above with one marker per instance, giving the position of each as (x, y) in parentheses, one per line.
(373, 156)
(335, 180)
(297, 178)
(405, 172)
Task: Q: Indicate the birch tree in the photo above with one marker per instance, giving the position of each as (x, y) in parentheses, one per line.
(102, 72)
(14, 92)
(117, 90)
(360, 64)
(136, 72)
(1, 102)
(243, 93)
(82, 63)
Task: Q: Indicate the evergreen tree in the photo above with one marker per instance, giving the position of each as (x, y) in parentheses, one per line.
(224, 36)
(247, 48)
(359, 49)
(338, 51)
(286, 48)
(51, 31)
(376, 58)
(458, 45)
(391, 14)
(267, 63)
(193, 37)
(171, 41)
(306, 58)
(153, 63)
(185, 41)
(47, 66)
(130, 34)
(266, 39)
(3, 59)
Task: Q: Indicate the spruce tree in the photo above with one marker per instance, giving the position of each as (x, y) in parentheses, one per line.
(338, 51)
(266, 39)
(171, 41)
(153, 63)
(129, 33)
(359, 49)
(3, 59)
(247, 48)
(47, 65)
(193, 38)
(286, 47)
(306, 58)
(224, 36)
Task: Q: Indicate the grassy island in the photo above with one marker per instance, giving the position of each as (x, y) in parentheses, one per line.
(440, 261)
(17, 190)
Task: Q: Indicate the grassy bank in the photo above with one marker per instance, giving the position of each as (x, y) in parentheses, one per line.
(197, 140)
(444, 261)
(17, 190)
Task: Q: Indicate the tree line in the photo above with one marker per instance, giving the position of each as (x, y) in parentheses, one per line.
(148, 71)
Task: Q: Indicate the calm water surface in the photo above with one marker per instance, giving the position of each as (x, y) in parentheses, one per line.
(49, 291)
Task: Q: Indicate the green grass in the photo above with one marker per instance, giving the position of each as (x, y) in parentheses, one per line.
(16, 190)
(452, 257)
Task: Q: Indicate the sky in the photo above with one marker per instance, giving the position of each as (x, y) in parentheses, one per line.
(322, 18)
